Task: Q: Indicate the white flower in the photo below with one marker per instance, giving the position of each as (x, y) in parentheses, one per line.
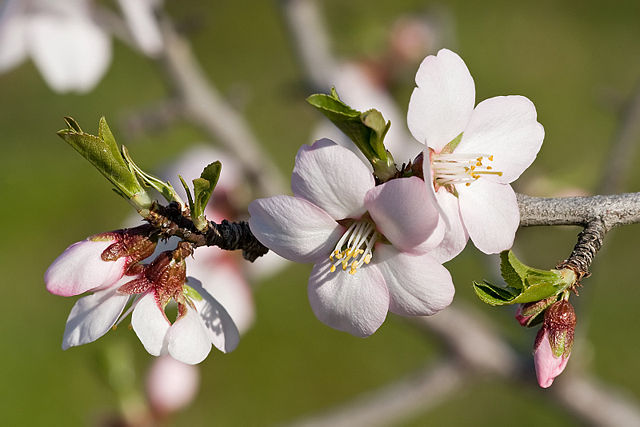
(171, 385)
(494, 143)
(366, 241)
(69, 49)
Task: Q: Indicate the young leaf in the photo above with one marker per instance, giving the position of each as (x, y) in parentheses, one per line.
(202, 189)
(102, 152)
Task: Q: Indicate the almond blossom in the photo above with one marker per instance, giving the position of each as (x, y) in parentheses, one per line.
(67, 46)
(472, 154)
(367, 241)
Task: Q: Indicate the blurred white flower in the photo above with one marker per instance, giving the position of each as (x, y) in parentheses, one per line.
(67, 46)
(139, 15)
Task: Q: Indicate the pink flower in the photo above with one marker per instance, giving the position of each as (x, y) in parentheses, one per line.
(367, 242)
(473, 153)
(548, 365)
(171, 385)
(97, 262)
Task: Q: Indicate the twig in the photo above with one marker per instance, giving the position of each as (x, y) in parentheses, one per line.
(207, 108)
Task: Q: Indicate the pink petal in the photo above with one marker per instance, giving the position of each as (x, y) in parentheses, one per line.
(171, 385)
(548, 366)
(294, 228)
(456, 236)
(505, 127)
(332, 178)
(79, 269)
(403, 211)
(187, 339)
(418, 284)
(442, 103)
(224, 282)
(490, 214)
(71, 53)
(218, 324)
(150, 324)
(355, 303)
(92, 316)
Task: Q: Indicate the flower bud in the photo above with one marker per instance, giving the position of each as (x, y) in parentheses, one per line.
(171, 385)
(554, 342)
(529, 314)
(99, 261)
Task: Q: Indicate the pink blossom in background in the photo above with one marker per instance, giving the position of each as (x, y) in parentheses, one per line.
(171, 385)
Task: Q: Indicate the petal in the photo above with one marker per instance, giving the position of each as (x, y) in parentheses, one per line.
(13, 48)
(142, 23)
(442, 103)
(548, 366)
(403, 211)
(92, 316)
(187, 339)
(294, 228)
(224, 282)
(505, 127)
(80, 268)
(355, 303)
(418, 284)
(150, 324)
(490, 214)
(221, 329)
(72, 54)
(332, 178)
(456, 236)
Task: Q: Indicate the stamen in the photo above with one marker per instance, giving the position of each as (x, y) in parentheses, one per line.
(461, 168)
(355, 247)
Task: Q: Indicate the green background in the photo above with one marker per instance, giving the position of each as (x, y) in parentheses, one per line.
(578, 61)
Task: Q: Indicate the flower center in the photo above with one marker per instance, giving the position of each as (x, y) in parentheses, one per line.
(458, 168)
(355, 247)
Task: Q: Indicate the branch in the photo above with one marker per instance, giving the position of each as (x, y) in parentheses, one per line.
(612, 210)
(226, 235)
(206, 108)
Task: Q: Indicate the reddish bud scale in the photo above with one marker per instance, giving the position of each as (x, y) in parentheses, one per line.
(559, 323)
(529, 314)
(134, 243)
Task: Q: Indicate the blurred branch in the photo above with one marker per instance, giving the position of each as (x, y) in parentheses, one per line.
(153, 118)
(623, 147)
(207, 108)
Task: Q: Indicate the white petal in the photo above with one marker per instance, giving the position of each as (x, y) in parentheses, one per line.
(490, 214)
(294, 228)
(418, 284)
(442, 103)
(355, 303)
(171, 385)
(456, 236)
(505, 127)
(150, 324)
(187, 339)
(221, 329)
(142, 23)
(332, 178)
(92, 316)
(72, 54)
(80, 268)
(225, 282)
(13, 49)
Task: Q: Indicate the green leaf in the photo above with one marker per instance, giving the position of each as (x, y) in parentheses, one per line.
(202, 189)
(367, 130)
(102, 152)
(188, 291)
(524, 283)
(189, 197)
(451, 146)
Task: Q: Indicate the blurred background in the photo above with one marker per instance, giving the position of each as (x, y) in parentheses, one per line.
(578, 61)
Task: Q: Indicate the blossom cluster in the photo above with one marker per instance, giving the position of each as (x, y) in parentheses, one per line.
(377, 243)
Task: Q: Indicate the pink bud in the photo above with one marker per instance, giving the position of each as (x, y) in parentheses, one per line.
(80, 268)
(548, 366)
(171, 385)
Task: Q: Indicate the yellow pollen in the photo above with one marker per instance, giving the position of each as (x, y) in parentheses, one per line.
(468, 184)
(479, 164)
(333, 268)
(473, 167)
(491, 157)
(489, 168)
